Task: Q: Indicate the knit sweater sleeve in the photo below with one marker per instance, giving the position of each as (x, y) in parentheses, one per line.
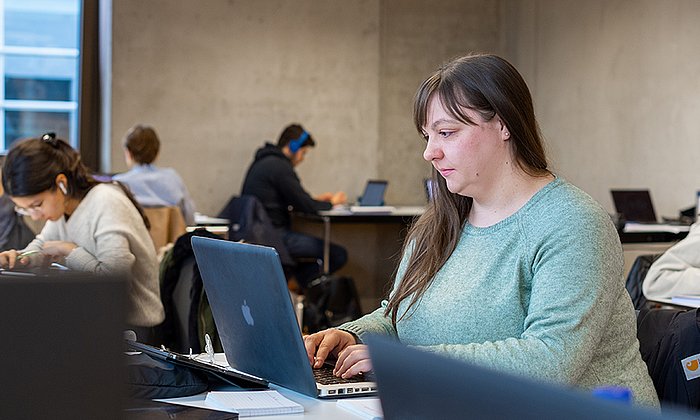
(110, 229)
(376, 322)
(48, 233)
(575, 284)
(677, 271)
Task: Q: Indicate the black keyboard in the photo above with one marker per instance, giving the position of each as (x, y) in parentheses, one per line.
(324, 376)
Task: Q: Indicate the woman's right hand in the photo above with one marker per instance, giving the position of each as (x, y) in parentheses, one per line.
(331, 341)
(8, 259)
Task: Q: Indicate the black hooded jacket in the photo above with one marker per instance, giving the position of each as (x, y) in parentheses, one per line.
(272, 179)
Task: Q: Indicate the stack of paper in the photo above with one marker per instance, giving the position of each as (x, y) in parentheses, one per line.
(253, 403)
(367, 408)
(692, 301)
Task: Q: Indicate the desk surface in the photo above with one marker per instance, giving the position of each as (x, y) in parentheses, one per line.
(401, 211)
(314, 409)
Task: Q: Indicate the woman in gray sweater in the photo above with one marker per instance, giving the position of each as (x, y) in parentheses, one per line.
(90, 226)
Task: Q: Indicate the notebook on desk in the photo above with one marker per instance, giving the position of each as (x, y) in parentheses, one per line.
(256, 322)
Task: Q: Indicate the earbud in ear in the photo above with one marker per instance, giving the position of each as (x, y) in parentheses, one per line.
(62, 187)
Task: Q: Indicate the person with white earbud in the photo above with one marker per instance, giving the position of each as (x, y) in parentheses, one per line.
(90, 226)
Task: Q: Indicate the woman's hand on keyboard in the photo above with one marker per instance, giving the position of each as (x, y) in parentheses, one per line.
(327, 342)
(352, 361)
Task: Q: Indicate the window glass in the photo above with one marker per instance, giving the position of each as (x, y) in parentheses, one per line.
(22, 124)
(39, 63)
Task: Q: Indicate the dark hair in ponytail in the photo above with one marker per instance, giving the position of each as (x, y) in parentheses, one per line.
(32, 165)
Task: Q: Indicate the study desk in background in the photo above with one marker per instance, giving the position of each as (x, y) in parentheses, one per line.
(215, 225)
(373, 242)
(400, 214)
(652, 232)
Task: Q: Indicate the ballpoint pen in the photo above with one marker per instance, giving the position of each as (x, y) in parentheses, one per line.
(27, 253)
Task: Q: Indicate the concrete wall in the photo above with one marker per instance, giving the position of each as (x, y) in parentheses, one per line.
(217, 78)
(415, 38)
(614, 81)
(615, 84)
(616, 90)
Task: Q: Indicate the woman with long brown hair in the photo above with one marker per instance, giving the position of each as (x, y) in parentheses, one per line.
(510, 266)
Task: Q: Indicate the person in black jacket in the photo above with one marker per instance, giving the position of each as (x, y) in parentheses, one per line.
(272, 179)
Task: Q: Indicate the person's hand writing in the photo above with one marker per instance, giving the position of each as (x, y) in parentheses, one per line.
(9, 259)
(331, 341)
(352, 361)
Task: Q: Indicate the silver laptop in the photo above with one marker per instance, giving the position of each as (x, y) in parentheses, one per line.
(255, 319)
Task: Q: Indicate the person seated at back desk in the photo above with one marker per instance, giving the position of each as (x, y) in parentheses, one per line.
(152, 185)
(272, 179)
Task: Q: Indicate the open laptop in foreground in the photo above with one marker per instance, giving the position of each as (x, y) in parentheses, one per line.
(256, 322)
(418, 385)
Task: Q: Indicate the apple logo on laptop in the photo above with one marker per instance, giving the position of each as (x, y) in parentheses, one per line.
(246, 313)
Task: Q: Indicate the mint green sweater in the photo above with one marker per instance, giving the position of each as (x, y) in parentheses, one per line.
(540, 294)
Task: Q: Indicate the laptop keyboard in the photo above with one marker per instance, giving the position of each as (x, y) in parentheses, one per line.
(325, 376)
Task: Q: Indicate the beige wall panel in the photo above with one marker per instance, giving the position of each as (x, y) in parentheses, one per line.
(216, 78)
(617, 92)
(416, 37)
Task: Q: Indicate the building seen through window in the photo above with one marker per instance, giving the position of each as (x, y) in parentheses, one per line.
(39, 63)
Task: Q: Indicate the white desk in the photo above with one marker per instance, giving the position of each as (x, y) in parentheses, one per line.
(215, 225)
(314, 409)
(395, 214)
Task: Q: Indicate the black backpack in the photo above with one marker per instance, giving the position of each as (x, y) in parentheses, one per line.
(329, 301)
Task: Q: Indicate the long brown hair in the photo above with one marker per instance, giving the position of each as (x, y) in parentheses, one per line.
(32, 165)
(490, 86)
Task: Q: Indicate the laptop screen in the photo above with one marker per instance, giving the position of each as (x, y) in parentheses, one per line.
(374, 193)
(634, 205)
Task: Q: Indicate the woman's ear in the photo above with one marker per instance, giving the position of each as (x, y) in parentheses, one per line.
(505, 133)
(62, 183)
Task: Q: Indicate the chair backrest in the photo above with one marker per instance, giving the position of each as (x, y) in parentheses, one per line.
(635, 278)
(167, 224)
(250, 223)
